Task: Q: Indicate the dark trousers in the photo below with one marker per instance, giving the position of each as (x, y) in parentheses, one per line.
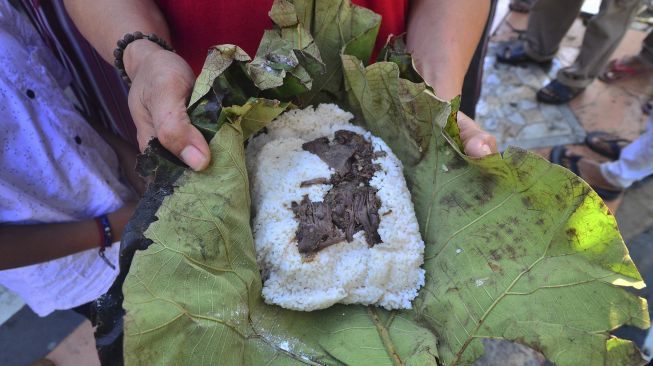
(474, 77)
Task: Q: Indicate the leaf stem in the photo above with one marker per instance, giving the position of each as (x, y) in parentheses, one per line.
(385, 338)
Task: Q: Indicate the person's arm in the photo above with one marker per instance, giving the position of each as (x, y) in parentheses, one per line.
(161, 80)
(442, 36)
(22, 245)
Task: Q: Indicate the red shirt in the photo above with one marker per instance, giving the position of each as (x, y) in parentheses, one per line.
(199, 24)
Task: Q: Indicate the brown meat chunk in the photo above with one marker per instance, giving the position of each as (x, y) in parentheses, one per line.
(351, 205)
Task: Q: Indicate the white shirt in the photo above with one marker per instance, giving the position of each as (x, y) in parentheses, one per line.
(53, 168)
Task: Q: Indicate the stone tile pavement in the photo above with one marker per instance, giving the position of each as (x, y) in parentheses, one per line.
(509, 110)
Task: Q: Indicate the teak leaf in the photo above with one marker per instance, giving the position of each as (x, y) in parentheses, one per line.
(516, 248)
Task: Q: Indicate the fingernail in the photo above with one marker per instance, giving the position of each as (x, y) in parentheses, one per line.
(194, 158)
(486, 150)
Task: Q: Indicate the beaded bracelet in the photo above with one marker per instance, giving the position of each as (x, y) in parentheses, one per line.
(104, 227)
(125, 41)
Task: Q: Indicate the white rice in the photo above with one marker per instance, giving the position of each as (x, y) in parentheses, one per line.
(387, 275)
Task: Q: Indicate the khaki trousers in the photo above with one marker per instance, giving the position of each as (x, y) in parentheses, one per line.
(549, 21)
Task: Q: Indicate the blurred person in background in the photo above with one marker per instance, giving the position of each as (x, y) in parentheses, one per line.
(632, 66)
(548, 23)
(630, 162)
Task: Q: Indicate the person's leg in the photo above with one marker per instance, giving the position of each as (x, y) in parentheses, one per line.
(548, 22)
(603, 34)
(635, 162)
(632, 65)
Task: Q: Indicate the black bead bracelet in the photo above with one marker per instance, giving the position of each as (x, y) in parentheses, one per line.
(125, 41)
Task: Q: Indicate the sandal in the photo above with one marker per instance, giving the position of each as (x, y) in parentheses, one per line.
(557, 93)
(606, 144)
(570, 161)
(622, 68)
(520, 6)
(514, 53)
(647, 107)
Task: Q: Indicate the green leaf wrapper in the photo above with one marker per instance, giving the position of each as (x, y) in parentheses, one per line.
(516, 248)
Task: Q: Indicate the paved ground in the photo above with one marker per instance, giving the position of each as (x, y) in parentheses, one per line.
(32, 338)
(508, 109)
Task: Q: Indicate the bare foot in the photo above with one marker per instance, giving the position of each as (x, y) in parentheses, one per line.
(590, 171)
(587, 169)
(606, 144)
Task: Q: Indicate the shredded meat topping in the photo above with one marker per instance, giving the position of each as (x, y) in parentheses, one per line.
(351, 205)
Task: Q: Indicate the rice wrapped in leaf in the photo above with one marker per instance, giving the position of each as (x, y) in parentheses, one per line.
(334, 222)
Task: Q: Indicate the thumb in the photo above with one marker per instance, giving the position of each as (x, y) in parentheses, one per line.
(477, 142)
(175, 132)
(477, 146)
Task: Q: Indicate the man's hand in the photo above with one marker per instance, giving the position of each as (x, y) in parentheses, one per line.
(477, 142)
(161, 80)
(161, 85)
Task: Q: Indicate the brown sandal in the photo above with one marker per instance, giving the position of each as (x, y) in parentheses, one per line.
(606, 144)
(560, 156)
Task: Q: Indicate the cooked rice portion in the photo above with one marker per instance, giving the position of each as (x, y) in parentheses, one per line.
(387, 274)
